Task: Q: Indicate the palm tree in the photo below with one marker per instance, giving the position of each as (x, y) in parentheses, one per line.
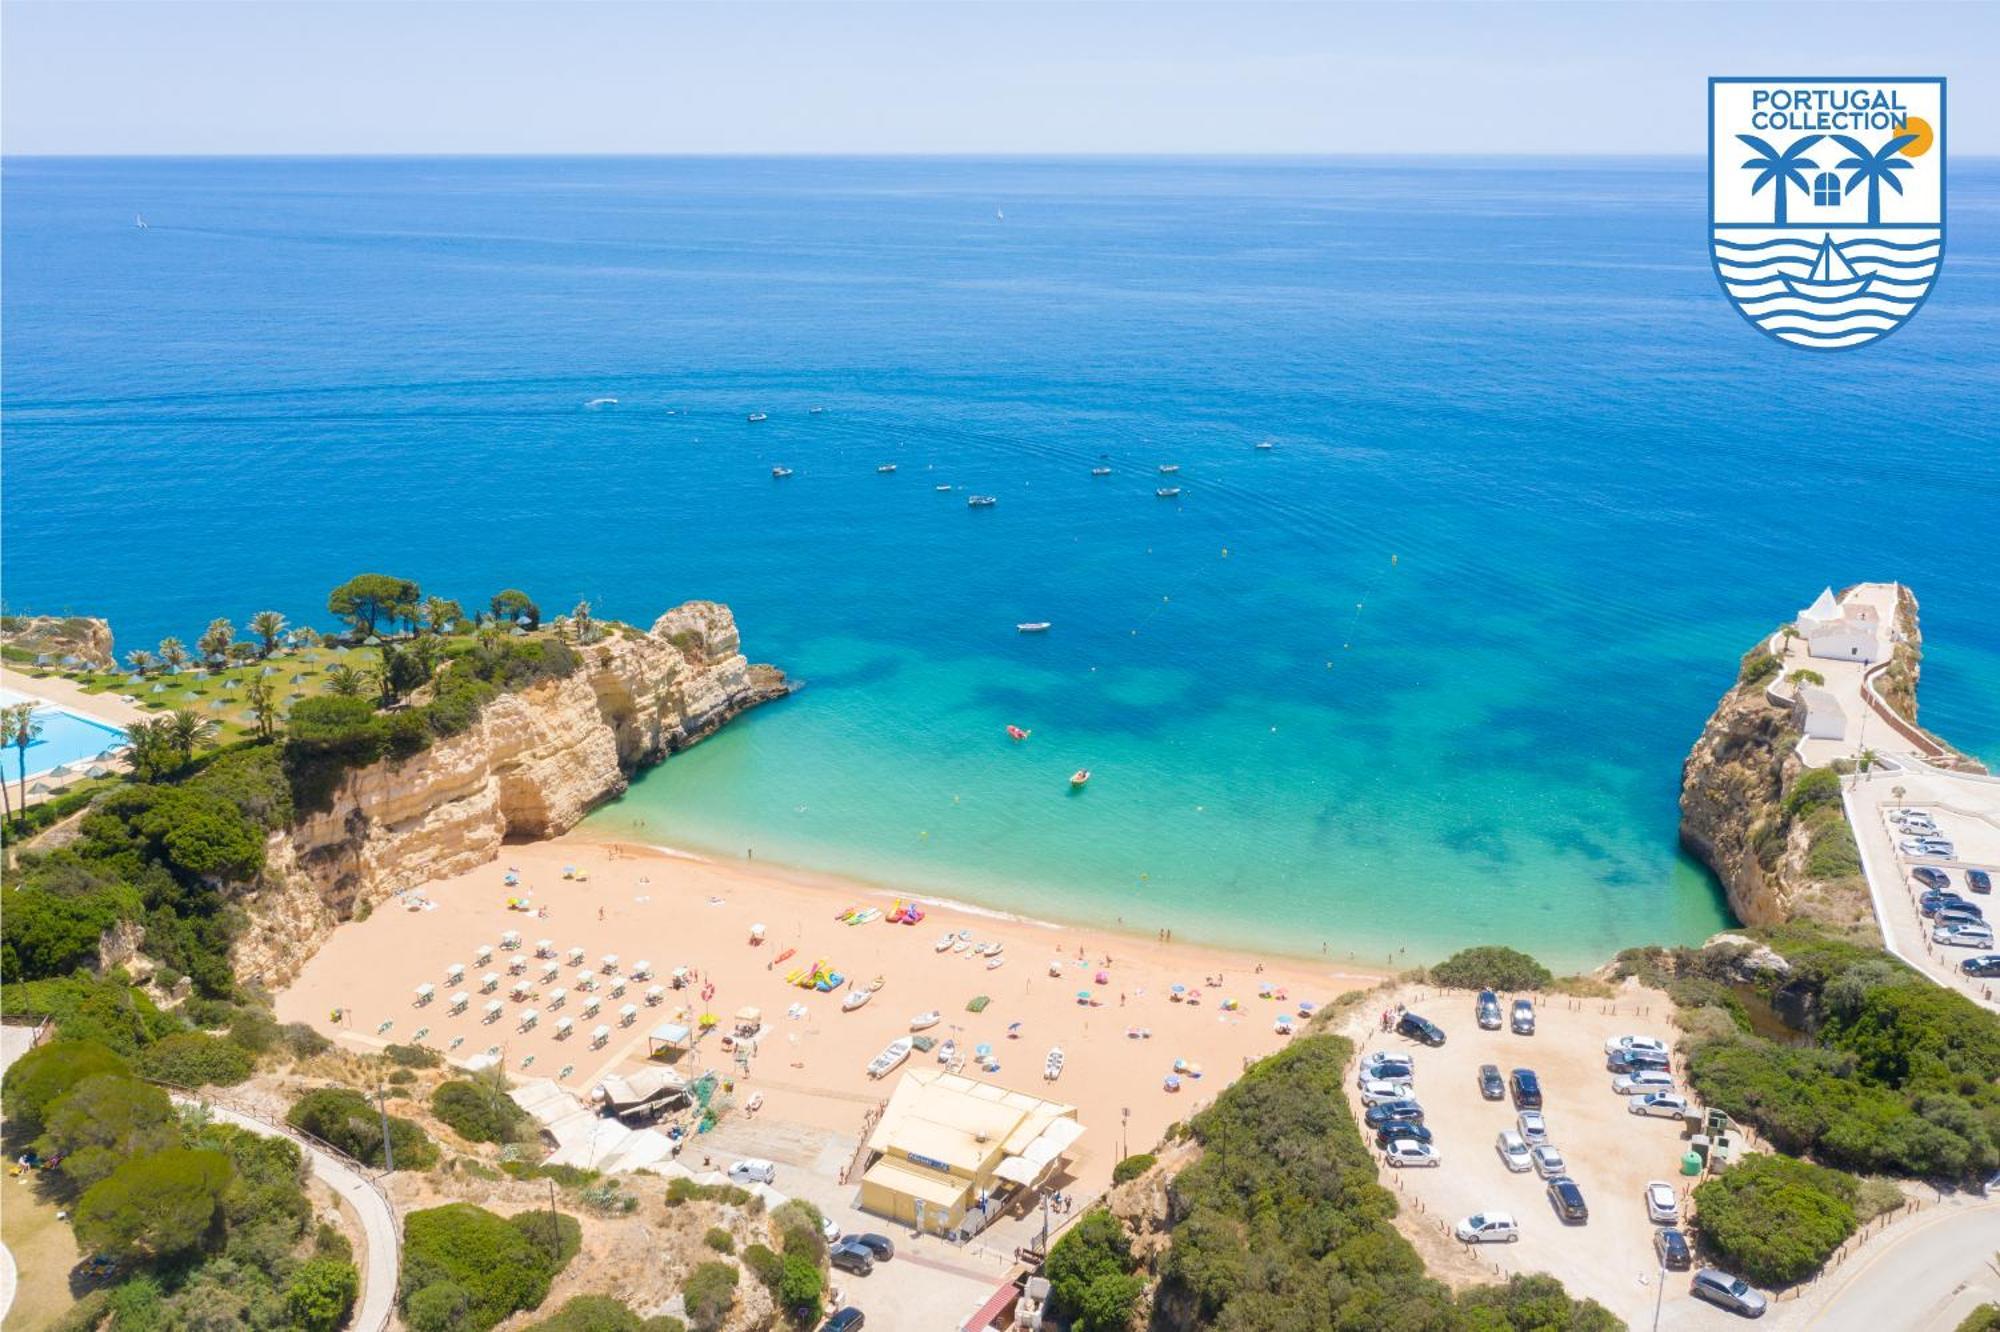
(141, 660)
(441, 613)
(172, 654)
(343, 680)
(153, 750)
(263, 705)
(188, 731)
(1882, 165)
(1786, 168)
(580, 617)
(6, 739)
(267, 625)
(215, 640)
(307, 637)
(26, 731)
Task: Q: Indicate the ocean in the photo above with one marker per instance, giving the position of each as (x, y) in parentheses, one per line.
(1420, 674)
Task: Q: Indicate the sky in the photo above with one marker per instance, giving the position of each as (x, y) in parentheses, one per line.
(369, 76)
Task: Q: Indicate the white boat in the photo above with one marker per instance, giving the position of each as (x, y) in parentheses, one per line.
(999, 215)
(855, 999)
(894, 1053)
(993, 949)
(995, 962)
(1168, 492)
(1033, 627)
(1832, 277)
(139, 221)
(1052, 1067)
(980, 501)
(885, 469)
(944, 944)
(959, 945)
(925, 1020)
(947, 1050)
(780, 473)
(941, 489)
(759, 416)
(1168, 469)
(1100, 471)
(814, 411)
(602, 402)
(1266, 444)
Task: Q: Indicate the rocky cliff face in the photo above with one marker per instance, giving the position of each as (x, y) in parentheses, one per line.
(58, 638)
(535, 762)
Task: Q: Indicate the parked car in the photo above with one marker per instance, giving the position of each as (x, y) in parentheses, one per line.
(1939, 847)
(1643, 1083)
(1527, 1089)
(1548, 1161)
(1661, 1204)
(1979, 881)
(1385, 1069)
(828, 1231)
(1487, 1009)
(847, 1320)
(1375, 1116)
(753, 1170)
(1567, 1199)
(853, 1258)
(1533, 1127)
(1659, 1105)
(1524, 1017)
(1936, 900)
(1953, 917)
(881, 1246)
(1636, 1061)
(1400, 1129)
(1731, 1293)
(1377, 1091)
(1420, 1029)
(1652, 1043)
(1514, 1153)
(1672, 1248)
(1408, 1152)
(1987, 964)
(1491, 1085)
(1487, 1228)
(1931, 878)
(1971, 934)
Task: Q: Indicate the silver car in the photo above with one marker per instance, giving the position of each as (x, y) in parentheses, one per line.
(1548, 1161)
(1514, 1153)
(1534, 1129)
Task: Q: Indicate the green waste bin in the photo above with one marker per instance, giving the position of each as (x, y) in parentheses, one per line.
(1691, 1164)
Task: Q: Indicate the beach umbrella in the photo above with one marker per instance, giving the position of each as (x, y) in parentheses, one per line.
(39, 788)
(99, 771)
(218, 705)
(983, 1050)
(1104, 978)
(60, 770)
(1180, 1065)
(135, 679)
(298, 679)
(159, 689)
(371, 641)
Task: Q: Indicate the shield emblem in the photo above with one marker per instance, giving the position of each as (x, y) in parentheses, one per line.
(1826, 203)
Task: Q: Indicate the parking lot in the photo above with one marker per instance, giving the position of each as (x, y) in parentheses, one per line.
(1610, 1153)
(1958, 808)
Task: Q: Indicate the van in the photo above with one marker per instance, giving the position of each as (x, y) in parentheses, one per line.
(1487, 1228)
(752, 1171)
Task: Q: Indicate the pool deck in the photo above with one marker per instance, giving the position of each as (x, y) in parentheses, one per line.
(66, 695)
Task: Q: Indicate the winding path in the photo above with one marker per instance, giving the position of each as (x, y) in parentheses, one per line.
(1928, 1272)
(381, 1240)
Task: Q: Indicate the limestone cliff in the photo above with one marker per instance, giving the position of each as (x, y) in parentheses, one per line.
(53, 639)
(1781, 852)
(532, 765)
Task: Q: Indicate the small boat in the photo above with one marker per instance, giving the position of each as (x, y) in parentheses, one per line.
(1168, 492)
(941, 489)
(139, 221)
(1832, 277)
(995, 963)
(780, 473)
(1052, 1067)
(999, 215)
(1016, 733)
(959, 945)
(759, 416)
(894, 1053)
(993, 949)
(947, 1051)
(944, 943)
(1100, 471)
(923, 1021)
(1033, 627)
(855, 999)
(1168, 469)
(885, 469)
(814, 411)
(980, 501)
(602, 402)
(1078, 778)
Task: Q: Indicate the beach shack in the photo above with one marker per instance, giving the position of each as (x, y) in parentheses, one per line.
(949, 1150)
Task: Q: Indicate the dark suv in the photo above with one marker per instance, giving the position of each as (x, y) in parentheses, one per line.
(1567, 1199)
(853, 1258)
(1420, 1029)
(1491, 1086)
(1390, 1112)
(1986, 964)
(1636, 1061)
(1979, 881)
(1931, 878)
(1672, 1248)
(847, 1320)
(881, 1246)
(1527, 1090)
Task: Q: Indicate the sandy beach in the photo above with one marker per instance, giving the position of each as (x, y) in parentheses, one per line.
(680, 911)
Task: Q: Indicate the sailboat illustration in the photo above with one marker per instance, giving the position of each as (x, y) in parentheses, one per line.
(1832, 277)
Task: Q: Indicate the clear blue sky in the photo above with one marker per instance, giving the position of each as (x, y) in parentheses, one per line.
(184, 76)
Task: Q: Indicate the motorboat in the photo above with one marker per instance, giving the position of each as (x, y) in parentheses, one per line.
(855, 999)
(942, 489)
(944, 943)
(1033, 627)
(894, 1053)
(780, 473)
(814, 411)
(980, 501)
(885, 469)
(947, 1051)
(759, 416)
(924, 1021)
(1266, 445)
(602, 402)
(1168, 492)
(995, 963)
(1100, 471)
(1052, 1067)
(1168, 469)
(1016, 733)
(1078, 778)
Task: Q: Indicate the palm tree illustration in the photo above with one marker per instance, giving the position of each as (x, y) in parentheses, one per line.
(1786, 168)
(1881, 165)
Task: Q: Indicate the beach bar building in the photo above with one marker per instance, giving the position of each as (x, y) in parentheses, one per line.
(950, 1150)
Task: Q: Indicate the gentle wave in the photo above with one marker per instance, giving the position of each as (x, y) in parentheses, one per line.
(1846, 246)
(1852, 306)
(1748, 293)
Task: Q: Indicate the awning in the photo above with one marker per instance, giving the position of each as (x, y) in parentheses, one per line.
(1019, 1170)
(1001, 1301)
(670, 1033)
(1061, 1134)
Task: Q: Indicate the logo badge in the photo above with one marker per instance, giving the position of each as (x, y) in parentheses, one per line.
(1826, 203)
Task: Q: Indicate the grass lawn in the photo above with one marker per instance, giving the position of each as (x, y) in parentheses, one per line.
(44, 1250)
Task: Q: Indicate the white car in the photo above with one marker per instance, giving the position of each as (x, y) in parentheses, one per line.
(754, 1170)
(1375, 1091)
(1409, 1152)
(1968, 935)
(1548, 1161)
(1649, 1043)
(1534, 1128)
(1513, 1151)
(1661, 1205)
(1487, 1228)
(1642, 1083)
(1660, 1105)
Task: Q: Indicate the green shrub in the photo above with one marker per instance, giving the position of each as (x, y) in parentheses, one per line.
(1090, 1276)
(600, 1313)
(465, 1269)
(303, 1040)
(1815, 788)
(103, 1122)
(1758, 667)
(154, 1206)
(1986, 1318)
(709, 1294)
(412, 1056)
(1491, 968)
(478, 1111)
(195, 1059)
(43, 1075)
(105, 1009)
(765, 1265)
(720, 1240)
(1132, 1167)
(347, 1120)
(1774, 1219)
(800, 1288)
(321, 1294)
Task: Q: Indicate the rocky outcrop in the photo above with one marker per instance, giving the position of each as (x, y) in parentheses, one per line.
(53, 640)
(536, 761)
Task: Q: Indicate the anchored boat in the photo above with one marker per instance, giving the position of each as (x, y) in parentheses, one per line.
(1078, 778)
(1033, 627)
(759, 416)
(1168, 492)
(980, 501)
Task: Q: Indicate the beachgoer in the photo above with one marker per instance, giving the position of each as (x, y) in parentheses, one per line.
(600, 913)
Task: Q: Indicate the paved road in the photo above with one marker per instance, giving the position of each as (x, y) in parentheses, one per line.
(381, 1246)
(1928, 1272)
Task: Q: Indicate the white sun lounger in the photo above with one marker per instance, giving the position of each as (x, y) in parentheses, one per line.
(576, 957)
(545, 948)
(454, 974)
(550, 972)
(529, 1017)
(459, 1001)
(590, 1006)
(482, 954)
(563, 1028)
(641, 969)
(608, 963)
(656, 994)
(617, 986)
(557, 997)
(599, 1035)
(627, 1014)
(425, 993)
(511, 939)
(489, 982)
(493, 1010)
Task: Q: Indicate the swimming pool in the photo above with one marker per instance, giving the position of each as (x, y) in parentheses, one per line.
(66, 738)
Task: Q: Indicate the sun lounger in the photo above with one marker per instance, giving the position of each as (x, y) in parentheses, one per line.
(529, 1017)
(563, 1028)
(425, 993)
(489, 982)
(492, 1011)
(598, 1036)
(590, 1007)
(511, 939)
(608, 963)
(545, 948)
(557, 997)
(617, 986)
(482, 955)
(627, 1015)
(454, 974)
(641, 969)
(576, 957)
(459, 1001)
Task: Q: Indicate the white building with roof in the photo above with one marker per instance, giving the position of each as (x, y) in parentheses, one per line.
(1849, 630)
(1823, 718)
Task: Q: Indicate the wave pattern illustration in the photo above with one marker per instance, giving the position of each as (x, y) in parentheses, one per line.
(1900, 265)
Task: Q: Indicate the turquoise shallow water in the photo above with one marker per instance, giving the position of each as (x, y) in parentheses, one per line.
(1534, 487)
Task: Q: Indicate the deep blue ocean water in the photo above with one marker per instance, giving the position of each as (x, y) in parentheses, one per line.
(1421, 674)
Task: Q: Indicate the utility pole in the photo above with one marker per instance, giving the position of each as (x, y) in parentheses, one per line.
(555, 1230)
(388, 1151)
